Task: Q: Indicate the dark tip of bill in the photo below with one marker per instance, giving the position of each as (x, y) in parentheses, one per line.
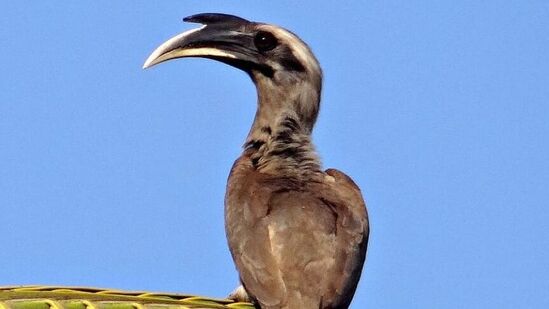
(214, 18)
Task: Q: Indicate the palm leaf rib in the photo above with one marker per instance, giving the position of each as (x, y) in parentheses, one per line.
(56, 297)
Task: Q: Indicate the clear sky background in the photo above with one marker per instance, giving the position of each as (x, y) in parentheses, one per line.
(113, 176)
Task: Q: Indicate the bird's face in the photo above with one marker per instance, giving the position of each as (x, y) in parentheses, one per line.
(263, 51)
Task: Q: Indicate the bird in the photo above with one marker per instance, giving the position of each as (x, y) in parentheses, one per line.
(298, 234)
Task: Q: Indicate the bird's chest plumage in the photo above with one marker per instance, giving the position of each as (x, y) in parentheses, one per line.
(285, 207)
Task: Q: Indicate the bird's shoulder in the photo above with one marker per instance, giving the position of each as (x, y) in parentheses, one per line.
(346, 191)
(253, 196)
(247, 187)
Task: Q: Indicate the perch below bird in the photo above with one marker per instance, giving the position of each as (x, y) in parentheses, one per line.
(297, 234)
(54, 297)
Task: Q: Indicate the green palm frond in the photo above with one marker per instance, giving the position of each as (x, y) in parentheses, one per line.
(55, 297)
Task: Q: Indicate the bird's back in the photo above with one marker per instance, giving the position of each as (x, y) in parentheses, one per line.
(297, 244)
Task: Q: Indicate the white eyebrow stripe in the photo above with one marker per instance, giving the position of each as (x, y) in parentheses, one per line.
(300, 50)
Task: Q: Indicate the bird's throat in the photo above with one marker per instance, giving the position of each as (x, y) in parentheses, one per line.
(280, 141)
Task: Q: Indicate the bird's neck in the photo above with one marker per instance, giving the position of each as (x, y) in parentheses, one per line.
(279, 141)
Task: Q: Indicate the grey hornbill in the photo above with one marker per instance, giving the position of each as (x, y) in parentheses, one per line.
(297, 234)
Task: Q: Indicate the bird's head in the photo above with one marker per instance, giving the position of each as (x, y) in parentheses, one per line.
(285, 71)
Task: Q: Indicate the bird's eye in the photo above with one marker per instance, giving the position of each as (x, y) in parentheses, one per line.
(265, 41)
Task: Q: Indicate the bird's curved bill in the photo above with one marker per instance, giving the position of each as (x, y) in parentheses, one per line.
(207, 42)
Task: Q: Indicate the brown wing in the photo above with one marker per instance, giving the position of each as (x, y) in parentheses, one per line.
(296, 245)
(353, 232)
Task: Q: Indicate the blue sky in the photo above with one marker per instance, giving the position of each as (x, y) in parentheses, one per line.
(113, 176)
